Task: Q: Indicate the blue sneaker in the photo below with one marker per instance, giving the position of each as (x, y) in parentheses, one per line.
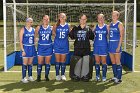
(97, 78)
(104, 79)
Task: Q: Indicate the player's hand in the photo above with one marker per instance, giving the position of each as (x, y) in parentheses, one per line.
(118, 50)
(23, 53)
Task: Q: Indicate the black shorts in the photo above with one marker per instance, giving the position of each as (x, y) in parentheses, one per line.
(81, 51)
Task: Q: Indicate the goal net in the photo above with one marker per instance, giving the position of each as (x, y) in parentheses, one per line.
(16, 13)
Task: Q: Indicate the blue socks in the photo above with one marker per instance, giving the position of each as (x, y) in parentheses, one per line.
(24, 68)
(119, 71)
(114, 68)
(57, 67)
(39, 69)
(104, 70)
(47, 69)
(97, 67)
(63, 67)
(30, 70)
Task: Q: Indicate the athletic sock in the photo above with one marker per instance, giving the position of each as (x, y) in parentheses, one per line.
(119, 71)
(104, 70)
(57, 67)
(114, 68)
(97, 67)
(63, 67)
(24, 68)
(30, 70)
(47, 69)
(39, 69)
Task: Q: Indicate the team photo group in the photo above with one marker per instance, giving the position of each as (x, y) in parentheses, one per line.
(107, 40)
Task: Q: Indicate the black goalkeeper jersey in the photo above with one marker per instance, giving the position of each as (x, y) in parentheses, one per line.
(82, 36)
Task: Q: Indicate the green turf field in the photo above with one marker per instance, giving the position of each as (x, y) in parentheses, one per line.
(10, 81)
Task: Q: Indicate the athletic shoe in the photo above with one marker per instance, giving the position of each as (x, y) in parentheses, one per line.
(47, 78)
(113, 79)
(63, 77)
(104, 79)
(30, 78)
(38, 78)
(85, 79)
(25, 80)
(58, 77)
(118, 81)
(97, 78)
(75, 78)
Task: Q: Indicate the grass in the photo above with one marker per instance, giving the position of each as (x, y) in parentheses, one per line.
(10, 84)
(10, 81)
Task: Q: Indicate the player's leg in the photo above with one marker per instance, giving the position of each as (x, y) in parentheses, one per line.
(119, 67)
(24, 68)
(47, 67)
(104, 68)
(30, 64)
(114, 66)
(97, 67)
(57, 66)
(39, 67)
(63, 66)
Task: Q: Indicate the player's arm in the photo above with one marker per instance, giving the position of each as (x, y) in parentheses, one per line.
(36, 33)
(108, 28)
(54, 30)
(121, 28)
(72, 33)
(91, 34)
(21, 38)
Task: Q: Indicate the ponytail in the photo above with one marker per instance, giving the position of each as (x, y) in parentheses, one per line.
(58, 23)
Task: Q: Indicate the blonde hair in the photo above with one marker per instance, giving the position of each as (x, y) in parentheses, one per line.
(118, 14)
(101, 15)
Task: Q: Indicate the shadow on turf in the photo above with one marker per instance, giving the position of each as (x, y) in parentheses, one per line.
(66, 86)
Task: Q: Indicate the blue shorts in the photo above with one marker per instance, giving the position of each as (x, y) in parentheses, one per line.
(100, 50)
(60, 50)
(45, 50)
(113, 45)
(29, 50)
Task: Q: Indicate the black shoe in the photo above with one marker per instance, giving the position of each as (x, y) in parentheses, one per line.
(76, 78)
(38, 78)
(85, 79)
(47, 78)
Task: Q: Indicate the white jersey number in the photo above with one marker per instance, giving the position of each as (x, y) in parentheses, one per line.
(45, 37)
(31, 40)
(100, 36)
(62, 35)
(111, 33)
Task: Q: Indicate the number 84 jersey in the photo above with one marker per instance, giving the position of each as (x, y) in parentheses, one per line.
(100, 35)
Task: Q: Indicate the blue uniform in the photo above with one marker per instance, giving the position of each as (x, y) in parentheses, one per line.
(114, 37)
(61, 43)
(28, 42)
(100, 41)
(45, 47)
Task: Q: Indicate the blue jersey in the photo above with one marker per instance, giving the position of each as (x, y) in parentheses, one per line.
(28, 42)
(100, 36)
(45, 35)
(114, 32)
(61, 43)
(28, 36)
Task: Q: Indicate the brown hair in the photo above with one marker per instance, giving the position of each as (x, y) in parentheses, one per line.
(82, 15)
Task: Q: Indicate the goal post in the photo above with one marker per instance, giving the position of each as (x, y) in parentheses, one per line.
(15, 14)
